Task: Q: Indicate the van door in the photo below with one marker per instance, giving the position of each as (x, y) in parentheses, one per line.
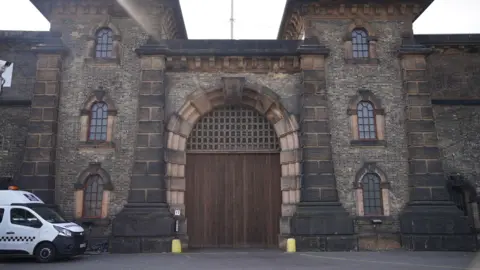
(23, 232)
(3, 230)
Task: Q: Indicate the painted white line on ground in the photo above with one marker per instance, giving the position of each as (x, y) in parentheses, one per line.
(384, 262)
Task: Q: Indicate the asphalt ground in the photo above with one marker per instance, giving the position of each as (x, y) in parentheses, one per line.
(259, 259)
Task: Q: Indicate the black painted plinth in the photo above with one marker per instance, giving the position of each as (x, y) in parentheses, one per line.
(143, 228)
(323, 226)
(436, 226)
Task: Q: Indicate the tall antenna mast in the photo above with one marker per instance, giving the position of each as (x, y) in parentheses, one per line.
(232, 20)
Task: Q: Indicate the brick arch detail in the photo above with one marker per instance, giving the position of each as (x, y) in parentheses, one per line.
(260, 98)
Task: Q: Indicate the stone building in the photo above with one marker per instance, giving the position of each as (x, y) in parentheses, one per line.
(348, 132)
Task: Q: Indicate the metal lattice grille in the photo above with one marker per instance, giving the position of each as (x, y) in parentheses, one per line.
(233, 129)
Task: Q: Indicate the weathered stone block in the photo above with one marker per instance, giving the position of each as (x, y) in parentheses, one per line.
(146, 182)
(45, 101)
(150, 154)
(316, 127)
(319, 153)
(150, 127)
(156, 167)
(139, 168)
(48, 75)
(156, 196)
(45, 168)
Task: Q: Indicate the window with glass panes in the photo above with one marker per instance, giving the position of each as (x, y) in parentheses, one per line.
(104, 44)
(366, 121)
(98, 122)
(372, 195)
(360, 43)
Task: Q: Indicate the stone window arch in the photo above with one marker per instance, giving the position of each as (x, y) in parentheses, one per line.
(92, 193)
(367, 119)
(103, 43)
(372, 191)
(97, 118)
(360, 43)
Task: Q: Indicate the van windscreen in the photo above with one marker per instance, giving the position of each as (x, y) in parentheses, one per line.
(48, 214)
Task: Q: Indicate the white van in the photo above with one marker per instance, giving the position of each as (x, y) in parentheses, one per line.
(29, 227)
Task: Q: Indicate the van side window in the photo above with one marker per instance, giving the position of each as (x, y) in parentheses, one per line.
(1, 214)
(22, 217)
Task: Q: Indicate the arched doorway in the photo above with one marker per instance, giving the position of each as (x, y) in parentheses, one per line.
(233, 195)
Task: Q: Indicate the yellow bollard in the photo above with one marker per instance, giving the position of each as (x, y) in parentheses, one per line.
(291, 245)
(176, 246)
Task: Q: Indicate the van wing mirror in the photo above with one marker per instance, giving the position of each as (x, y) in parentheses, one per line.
(35, 223)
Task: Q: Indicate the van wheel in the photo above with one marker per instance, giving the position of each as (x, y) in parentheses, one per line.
(45, 253)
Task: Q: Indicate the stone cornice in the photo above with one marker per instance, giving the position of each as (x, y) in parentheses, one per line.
(233, 64)
(410, 47)
(39, 42)
(237, 48)
(373, 11)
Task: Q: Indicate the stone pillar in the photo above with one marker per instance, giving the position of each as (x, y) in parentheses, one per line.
(145, 224)
(321, 222)
(430, 221)
(38, 169)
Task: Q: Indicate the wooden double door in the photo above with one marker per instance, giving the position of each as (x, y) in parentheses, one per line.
(233, 200)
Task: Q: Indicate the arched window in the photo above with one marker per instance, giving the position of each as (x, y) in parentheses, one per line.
(93, 197)
(372, 195)
(372, 191)
(98, 122)
(360, 43)
(366, 121)
(104, 43)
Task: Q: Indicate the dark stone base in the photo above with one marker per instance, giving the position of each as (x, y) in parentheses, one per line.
(141, 244)
(323, 227)
(436, 226)
(143, 228)
(326, 243)
(379, 242)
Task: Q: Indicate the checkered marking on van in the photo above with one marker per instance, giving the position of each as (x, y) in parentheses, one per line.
(17, 238)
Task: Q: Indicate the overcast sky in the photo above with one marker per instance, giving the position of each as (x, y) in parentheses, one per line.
(257, 19)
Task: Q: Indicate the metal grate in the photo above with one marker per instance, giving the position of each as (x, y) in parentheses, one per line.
(233, 129)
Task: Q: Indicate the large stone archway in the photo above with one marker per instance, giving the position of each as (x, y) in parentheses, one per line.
(234, 91)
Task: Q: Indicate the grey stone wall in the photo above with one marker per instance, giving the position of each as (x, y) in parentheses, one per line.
(14, 119)
(455, 74)
(383, 79)
(13, 123)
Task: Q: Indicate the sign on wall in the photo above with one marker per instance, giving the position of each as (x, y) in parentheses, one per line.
(7, 74)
